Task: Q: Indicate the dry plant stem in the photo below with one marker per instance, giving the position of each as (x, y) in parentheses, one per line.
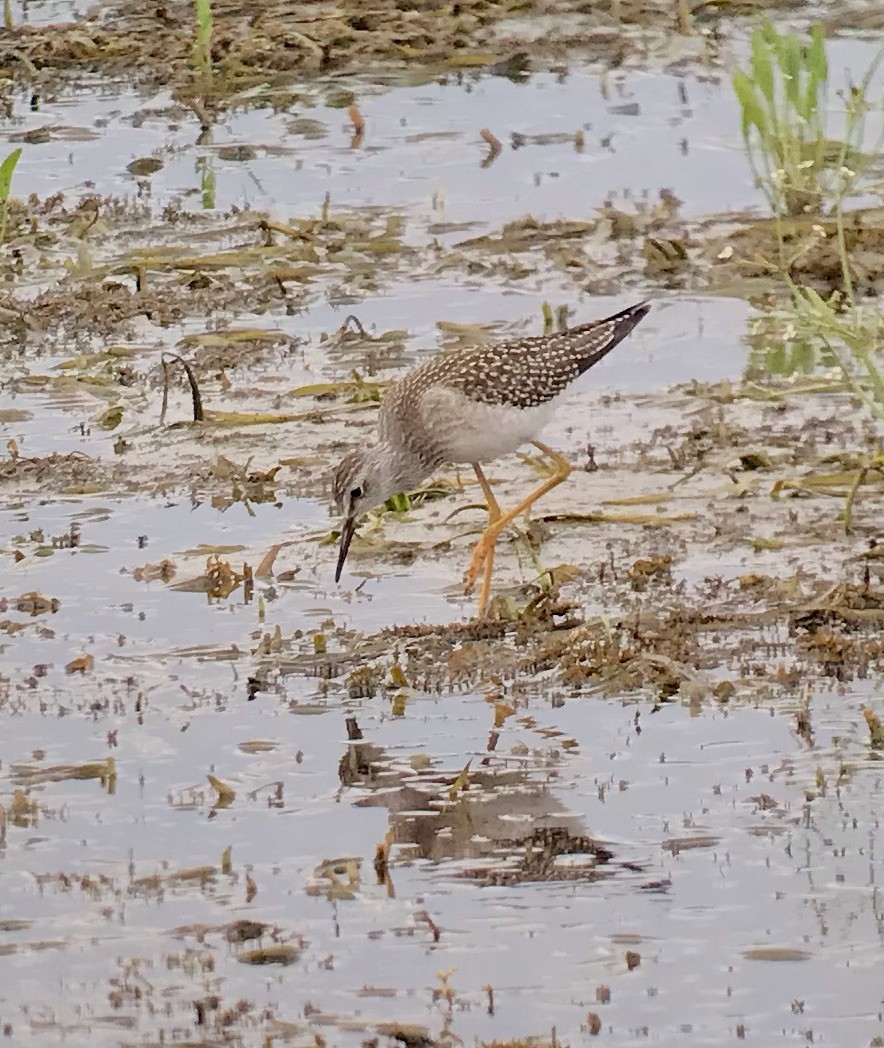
(856, 388)
(165, 404)
(851, 497)
(201, 112)
(267, 227)
(685, 18)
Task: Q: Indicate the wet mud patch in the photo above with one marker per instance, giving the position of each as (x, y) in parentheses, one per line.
(736, 525)
(735, 520)
(283, 40)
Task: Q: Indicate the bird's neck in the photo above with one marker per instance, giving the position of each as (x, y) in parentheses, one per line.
(410, 466)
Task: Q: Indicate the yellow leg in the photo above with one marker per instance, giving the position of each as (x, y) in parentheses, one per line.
(494, 514)
(483, 554)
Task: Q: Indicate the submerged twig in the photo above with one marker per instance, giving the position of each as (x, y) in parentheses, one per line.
(198, 414)
(268, 227)
(201, 112)
(851, 497)
(165, 404)
(358, 122)
(357, 323)
(495, 145)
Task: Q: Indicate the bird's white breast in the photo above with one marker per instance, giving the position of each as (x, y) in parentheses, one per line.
(469, 431)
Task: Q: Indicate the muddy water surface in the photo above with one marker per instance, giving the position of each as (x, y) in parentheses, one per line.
(658, 826)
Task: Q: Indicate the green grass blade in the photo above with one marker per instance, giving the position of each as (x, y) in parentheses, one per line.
(752, 110)
(762, 68)
(202, 45)
(7, 169)
(790, 64)
(817, 62)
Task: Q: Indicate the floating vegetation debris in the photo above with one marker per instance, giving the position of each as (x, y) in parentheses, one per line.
(876, 729)
(103, 770)
(280, 953)
(226, 794)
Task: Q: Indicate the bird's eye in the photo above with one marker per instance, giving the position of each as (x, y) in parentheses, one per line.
(356, 493)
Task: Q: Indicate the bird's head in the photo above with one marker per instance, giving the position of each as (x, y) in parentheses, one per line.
(364, 479)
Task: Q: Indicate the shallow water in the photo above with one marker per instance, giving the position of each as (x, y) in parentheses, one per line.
(48, 12)
(681, 800)
(421, 151)
(753, 910)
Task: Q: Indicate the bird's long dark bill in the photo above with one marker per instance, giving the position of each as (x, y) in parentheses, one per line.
(347, 532)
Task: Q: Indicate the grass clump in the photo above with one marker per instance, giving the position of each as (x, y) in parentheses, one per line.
(785, 109)
(782, 100)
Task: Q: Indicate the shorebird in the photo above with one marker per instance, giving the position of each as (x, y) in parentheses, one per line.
(473, 405)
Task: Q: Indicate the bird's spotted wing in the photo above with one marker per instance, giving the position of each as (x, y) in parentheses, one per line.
(527, 372)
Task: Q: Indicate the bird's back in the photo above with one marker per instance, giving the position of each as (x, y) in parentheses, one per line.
(522, 372)
(519, 373)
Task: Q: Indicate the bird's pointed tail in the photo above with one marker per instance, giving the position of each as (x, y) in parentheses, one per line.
(599, 337)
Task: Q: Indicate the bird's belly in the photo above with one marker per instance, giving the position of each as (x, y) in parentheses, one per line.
(475, 432)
